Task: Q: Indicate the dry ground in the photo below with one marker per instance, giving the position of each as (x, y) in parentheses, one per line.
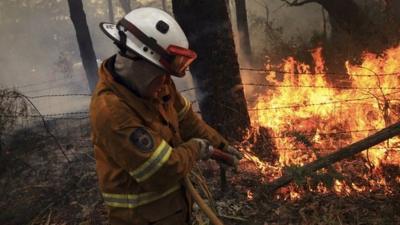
(39, 186)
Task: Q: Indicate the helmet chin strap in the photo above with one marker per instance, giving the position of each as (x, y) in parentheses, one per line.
(123, 49)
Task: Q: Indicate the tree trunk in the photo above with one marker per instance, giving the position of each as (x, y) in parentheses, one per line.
(348, 151)
(243, 28)
(126, 5)
(324, 30)
(164, 5)
(344, 14)
(110, 11)
(392, 9)
(216, 70)
(347, 16)
(352, 33)
(86, 50)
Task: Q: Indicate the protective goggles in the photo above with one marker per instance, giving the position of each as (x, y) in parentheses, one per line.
(180, 59)
(175, 59)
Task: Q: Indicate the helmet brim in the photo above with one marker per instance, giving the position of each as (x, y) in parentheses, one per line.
(111, 31)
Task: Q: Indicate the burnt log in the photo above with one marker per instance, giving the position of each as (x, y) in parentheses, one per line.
(343, 153)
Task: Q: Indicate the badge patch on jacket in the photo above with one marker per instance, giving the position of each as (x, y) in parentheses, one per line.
(142, 139)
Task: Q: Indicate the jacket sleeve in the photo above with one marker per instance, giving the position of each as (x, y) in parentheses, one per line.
(141, 151)
(192, 126)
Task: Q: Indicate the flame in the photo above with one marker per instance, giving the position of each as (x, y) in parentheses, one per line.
(310, 116)
(250, 195)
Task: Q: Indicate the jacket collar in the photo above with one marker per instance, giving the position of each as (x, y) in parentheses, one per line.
(109, 80)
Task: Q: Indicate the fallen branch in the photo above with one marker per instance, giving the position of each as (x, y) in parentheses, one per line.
(234, 218)
(350, 150)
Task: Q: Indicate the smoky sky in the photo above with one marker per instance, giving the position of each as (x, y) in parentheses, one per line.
(40, 56)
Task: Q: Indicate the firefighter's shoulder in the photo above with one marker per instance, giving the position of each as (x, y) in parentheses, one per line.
(109, 110)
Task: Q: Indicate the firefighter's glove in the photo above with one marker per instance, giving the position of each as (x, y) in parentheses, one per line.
(232, 150)
(205, 148)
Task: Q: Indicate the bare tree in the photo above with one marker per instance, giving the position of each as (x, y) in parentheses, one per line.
(216, 71)
(392, 9)
(324, 29)
(353, 31)
(88, 56)
(110, 11)
(346, 16)
(126, 5)
(243, 28)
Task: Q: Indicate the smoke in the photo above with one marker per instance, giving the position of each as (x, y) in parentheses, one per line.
(40, 55)
(36, 37)
(289, 25)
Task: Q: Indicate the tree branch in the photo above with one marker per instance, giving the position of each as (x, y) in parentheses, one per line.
(297, 3)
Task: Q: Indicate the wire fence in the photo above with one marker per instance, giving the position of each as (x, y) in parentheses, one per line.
(56, 150)
(57, 95)
(372, 74)
(323, 87)
(261, 71)
(256, 84)
(83, 116)
(59, 144)
(64, 116)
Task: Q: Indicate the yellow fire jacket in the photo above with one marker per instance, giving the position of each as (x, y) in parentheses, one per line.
(143, 149)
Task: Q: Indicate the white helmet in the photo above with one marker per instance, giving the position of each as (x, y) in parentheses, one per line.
(154, 35)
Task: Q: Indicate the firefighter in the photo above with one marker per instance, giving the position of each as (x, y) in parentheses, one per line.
(146, 136)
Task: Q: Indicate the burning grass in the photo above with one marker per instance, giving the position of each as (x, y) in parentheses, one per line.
(304, 116)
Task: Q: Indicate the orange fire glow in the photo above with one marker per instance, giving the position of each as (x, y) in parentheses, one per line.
(310, 115)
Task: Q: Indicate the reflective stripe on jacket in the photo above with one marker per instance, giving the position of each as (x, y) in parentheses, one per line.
(135, 200)
(154, 163)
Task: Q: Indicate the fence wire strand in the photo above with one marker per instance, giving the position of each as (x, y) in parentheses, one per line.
(260, 70)
(57, 95)
(323, 87)
(81, 115)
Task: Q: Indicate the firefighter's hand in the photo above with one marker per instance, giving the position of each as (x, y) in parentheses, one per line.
(205, 149)
(233, 151)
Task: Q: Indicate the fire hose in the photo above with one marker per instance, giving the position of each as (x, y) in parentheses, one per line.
(220, 156)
